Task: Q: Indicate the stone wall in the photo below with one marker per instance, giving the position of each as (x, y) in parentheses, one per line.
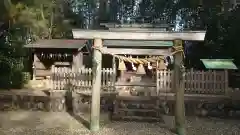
(57, 101)
(24, 100)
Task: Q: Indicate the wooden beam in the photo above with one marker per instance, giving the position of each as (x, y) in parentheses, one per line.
(164, 52)
(135, 25)
(136, 43)
(57, 43)
(139, 29)
(96, 87)
(178, 87)
(104, 34)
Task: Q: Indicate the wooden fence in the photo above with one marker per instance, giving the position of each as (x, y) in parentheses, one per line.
(80, 79)
(202, 82)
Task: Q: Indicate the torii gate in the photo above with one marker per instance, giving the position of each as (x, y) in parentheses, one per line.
(177, 37)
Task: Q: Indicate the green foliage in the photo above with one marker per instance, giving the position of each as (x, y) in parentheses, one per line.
(11, 75)
(229, 34)
(43, 19)
(11, 72)
(27, 20)
(222, 38)
(30, 20)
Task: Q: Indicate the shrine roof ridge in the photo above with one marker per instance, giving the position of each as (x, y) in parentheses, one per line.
(57, 43)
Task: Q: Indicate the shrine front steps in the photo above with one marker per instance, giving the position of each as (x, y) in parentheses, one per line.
(81, 104)
(138, 109)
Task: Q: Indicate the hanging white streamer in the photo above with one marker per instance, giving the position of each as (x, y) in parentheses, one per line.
(133, 67)
(149, 66)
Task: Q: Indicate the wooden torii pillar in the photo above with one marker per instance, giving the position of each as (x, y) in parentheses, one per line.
(178, 87)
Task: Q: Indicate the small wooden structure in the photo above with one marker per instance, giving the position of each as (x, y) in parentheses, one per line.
(58, 53)
(178, 84)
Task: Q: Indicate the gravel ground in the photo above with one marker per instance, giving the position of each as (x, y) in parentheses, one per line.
(45, 123)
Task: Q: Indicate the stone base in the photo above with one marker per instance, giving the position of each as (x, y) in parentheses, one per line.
(82, 103)
(58, 101)
(28, 101)
(57, 104)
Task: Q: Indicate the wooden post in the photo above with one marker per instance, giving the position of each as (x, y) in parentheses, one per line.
(226, 82)
(35, 58)
(96, 87)
(52, 79)
(114, 70)
(178, 87)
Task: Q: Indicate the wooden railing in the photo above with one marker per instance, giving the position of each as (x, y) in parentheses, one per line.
(202, 82)
(80, 79)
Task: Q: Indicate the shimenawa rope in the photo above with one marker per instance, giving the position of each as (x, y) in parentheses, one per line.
(144, 61)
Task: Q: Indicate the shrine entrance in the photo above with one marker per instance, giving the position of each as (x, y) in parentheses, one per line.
(140, 37)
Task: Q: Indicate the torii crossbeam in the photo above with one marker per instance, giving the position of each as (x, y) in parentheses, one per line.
(99, 35)
(128, 35)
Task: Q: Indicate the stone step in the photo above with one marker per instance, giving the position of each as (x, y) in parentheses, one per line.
(38, 84)
(137, 118)
(39, 78)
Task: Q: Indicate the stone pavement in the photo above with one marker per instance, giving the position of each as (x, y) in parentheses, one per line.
(60, 123)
